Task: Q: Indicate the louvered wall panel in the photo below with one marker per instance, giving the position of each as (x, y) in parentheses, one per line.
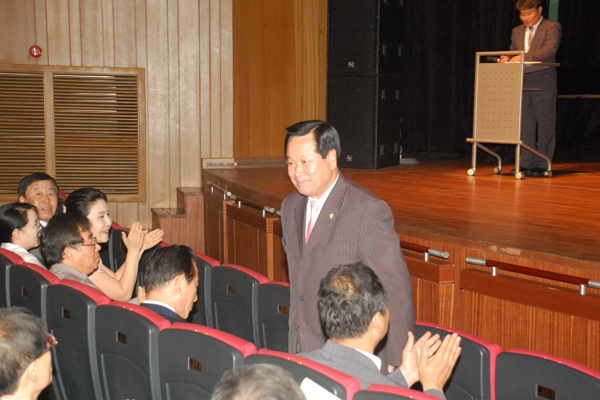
(22, 135)
(96, 132)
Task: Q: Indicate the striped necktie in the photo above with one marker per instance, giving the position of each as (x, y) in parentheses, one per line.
(313, 219)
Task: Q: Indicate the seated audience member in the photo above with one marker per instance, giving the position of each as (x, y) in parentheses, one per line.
(171, 283)
(20, 230)
(25, 358)
(70, 248)
(91, 203)
(258, 382)
(40, 190)
(354, 314)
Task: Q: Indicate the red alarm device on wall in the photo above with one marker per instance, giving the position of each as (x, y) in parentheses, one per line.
(35, 51)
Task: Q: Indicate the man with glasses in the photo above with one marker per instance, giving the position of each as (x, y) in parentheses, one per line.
(25, 359)
(70, 248)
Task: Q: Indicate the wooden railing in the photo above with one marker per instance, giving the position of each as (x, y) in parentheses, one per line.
(555, 276)
(427, 251)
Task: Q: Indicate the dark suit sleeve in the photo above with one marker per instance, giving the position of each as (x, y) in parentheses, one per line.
(380, 250)
(549, 45)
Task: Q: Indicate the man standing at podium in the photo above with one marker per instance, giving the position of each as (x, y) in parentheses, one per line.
(539, 38)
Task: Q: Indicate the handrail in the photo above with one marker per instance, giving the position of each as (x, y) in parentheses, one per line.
(427, 251)
(214, 187)
(555, 276)
(241, 200)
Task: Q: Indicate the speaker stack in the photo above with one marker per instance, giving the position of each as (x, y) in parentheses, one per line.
(364, 80)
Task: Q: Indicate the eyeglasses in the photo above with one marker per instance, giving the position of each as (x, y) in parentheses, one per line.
(50, 343)
(38, 225)
(94, 242)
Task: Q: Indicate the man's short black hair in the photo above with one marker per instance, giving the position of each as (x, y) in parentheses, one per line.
(349, 297)
(166, 264)
(22, 340)
(80, 201)
(325, 136)
(528, 4)
(258, 382)
(63, 230)
(13, 216)
(33, 178)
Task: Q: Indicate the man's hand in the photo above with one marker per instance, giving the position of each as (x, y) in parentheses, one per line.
(516, 58)
(426, 346)
(504, 59)
(434, 371)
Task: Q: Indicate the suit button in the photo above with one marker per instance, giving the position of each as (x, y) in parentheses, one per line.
(302, 298)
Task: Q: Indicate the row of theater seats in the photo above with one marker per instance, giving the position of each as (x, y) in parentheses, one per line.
(118, 350)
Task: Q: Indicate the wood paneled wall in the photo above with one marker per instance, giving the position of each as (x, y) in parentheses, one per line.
(279, 71)
(186, 47)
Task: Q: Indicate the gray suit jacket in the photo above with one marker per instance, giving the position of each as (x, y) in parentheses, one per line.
(65, 272)
(353, 363)
(354, 225)
(543, 48)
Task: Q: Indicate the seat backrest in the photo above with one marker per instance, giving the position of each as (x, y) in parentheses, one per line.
(28, 287)
(71, 310)
(201, 314)
(117, 251)
(234, 292)
(336, 382)
(193, 359)
(7, 259)
(127, 339)
(534, 375)
(273, 309)
(473, 376)
(386, 392)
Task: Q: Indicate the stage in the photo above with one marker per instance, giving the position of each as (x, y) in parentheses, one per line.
(549, 219)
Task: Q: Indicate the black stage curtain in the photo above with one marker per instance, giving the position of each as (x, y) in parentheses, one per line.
(442, 39)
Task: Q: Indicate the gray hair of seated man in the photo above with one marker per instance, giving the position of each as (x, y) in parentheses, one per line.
(258, 381)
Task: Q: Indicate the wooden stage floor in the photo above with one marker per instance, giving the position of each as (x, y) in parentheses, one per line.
(547, 219)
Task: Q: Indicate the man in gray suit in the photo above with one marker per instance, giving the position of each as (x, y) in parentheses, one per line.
(539, 38)
(330, 221)
(355, 316)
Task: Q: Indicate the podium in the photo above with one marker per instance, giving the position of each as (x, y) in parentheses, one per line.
(497, 107)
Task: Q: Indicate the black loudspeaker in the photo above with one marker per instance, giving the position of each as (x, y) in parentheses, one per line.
(364, 37)
(364, 80)
(365, 110)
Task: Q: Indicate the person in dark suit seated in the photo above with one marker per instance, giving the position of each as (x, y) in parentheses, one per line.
(70, 248)
(171, 283)
(25, 357)
(41, 191)
(355, 316)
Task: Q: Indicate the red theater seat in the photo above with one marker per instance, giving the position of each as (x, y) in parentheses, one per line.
(273, 315)
(234, 292)
(127, 339)
(385, 392)
(473, 376)
(28, 287)
(531, 375)
(71, 309)
(193, 358)
(336, 382)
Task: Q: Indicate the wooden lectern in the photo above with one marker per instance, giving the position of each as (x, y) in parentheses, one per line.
(497, 106)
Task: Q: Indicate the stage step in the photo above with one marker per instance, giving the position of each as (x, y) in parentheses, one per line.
(184, 224)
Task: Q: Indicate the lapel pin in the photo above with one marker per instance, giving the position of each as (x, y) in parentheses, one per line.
(330, 216)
